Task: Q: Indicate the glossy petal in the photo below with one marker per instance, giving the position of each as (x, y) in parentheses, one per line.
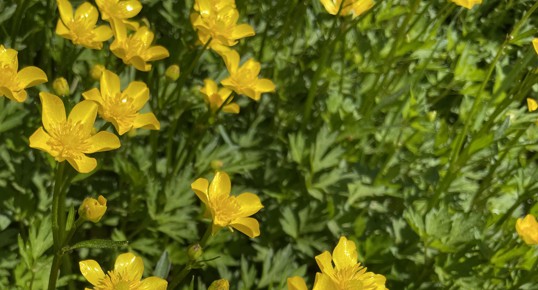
(129, 265)
(103, 141)
(296, 283)
(93, 95)
(200, 187)
(248, 226)
(265, 86)
(242, 31)
(535, 44)
(62, 30)
(324, 282)
(139, 63)
(66, 10)
(231, 59)
(110, 83)
(249, 202)
(153, 283)
(84, 112)
(39, 140)
(532, 104)
(210, 87)
(91, 270)
(147, 121)
(253, 66)
(53, 110)
(157, 52)
(130, 8)
(324, 261)
(102, 33)
(139, 93)
(345, 254)
(220, 185)
(144, 35)
(119, 30)
(231, 108)
(31, 76)
(83, 163)
(88, 12)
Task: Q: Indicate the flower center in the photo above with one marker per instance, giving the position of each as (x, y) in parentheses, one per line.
(354, 277)
(81, 31)
(118, 107)
(116, 281)
(225, 209)
(68, 140)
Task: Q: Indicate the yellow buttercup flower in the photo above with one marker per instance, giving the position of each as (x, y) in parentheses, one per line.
(13, 82)
(216, 97)
(136, 49)
(346, 273)
(80, 28)
(221, 284)
(218, 22)
(126, 275)
(71, 138)
(527, 228)
(244, 80)
(122, 108)
(92, 209)
(226, 210)
(120, 10)
(354, 7)
(535, 44)
(467, 3)
(214, 5)
(296, 283)
(532, 104)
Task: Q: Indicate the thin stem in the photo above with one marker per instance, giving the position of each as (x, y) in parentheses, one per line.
(58, 223)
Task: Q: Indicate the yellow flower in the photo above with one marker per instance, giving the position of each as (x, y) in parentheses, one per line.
(226, 210)
(535, 44)
(172, 72)
(346, 273)
(92, 209)
(527, 228)
(296, 283)
(355, 7)
(467, 3)
(60, 86)
(136, 49)
(126, 275)
(532, 104)
(218, 22)
(216, 97)
(13, 83)
(71, 138)
(221, 284)
(81, 29)
(119, 10)
(121, 108)
(244, 80)
(96, 71)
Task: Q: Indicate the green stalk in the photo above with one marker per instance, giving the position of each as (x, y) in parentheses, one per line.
(58, 227)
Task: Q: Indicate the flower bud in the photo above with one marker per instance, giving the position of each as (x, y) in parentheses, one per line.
(96, 71)
(172, 72)
(92, 209)
(195, 251)
(221, 284)
(60, 87)
(216, 164)
(527, 228)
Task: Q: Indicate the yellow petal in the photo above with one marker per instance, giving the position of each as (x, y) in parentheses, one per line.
(153, 283)
(85, 113)
(231, 59)
(103, 141)
(110, 84)
(242, 30)
(87, 12)
(532, 104)
(91, 270)
(139, 63)
(8, 57)
(19, 96)
(147, 121)
(62, 30)
(39, 140)
(119, 30)
(144, 35)
(66, 10)
(220, 185)
(264, 86)
(93, 95)
(253, 66)
(102, 33)
(225, 93)
(246, 225)
(157, 52)
(210, 87)
(31, 76)
(345, 254)
(535, 44)
(130, 265)
(324, 263)
(83, 163)
(129, 8)
(296, 283)
(231, 108)
(139, 93)
(131, 25)
(200, 187)
(324, 282)
(53, 110)
(249, 203)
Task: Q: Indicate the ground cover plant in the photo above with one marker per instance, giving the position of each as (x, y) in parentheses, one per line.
(279, 144)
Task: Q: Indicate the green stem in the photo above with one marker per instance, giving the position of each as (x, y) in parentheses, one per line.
(58, 223)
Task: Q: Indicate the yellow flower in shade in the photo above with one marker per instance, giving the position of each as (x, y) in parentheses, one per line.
(354, 7)
(532, 104)
(97, 71)
(216, 97)
(60, 86)
(535, 44)
(126, 275)
(71, 138)
(221, 284)
(136, 49)
(346, 273)
(172, 72)
(244, 80)
(527, 228)
(296, 283)
(121, 108)
(80, 28)
(92, 209)
(218, 22)
(13, 83)
(467, 3)
(227, 210)
(120, 10)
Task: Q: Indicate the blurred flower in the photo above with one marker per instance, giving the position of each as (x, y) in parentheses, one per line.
(13, 83)
(136, 49)
(71, 138)
(172, 72)
(216, 97)
(467, 3)
(535, 44)
(121, 108)
(92, 209)
(126, 275)
(296, 283)
(81, 29)
(355, 7)
(217, 21)
(226, 210)
(532, 104)
(96, 71)
(221, 284)
(244, 80)
(346, 273)
(120, 10)
(527, 228)
(60, 86)
(195, 251)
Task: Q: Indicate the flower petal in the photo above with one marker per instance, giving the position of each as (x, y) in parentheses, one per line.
(130, 266)
(83, 163)
(85, 113)
(231, 108)
(220, 185)
(231, 59)
(139, 93)
(252, 66)
(296, 283)
(53, 110)
(157, 52)
(249, 203)
(139, 63)
(210, 87)
(103, 141)
(264, 86)
(323, 282)
(62, 30)
(200, 187)
(8, 57)
(102, 33)
(129, 8)
(153, 283)
(31, 76)
(242, 30)
(345, 254)
(93, 95)
(147, 121)
(39, 140)
(91, 270)
(535, 44)
(324, 263)
(66, 10)
(87, 12)
(248, 226)
(110, 83)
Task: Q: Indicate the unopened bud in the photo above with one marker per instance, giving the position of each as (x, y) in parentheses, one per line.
(195, 251)
(221, 284)
(96, 71)
(60, 87)
(92, 209)
(172, 72)
(216, 164)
